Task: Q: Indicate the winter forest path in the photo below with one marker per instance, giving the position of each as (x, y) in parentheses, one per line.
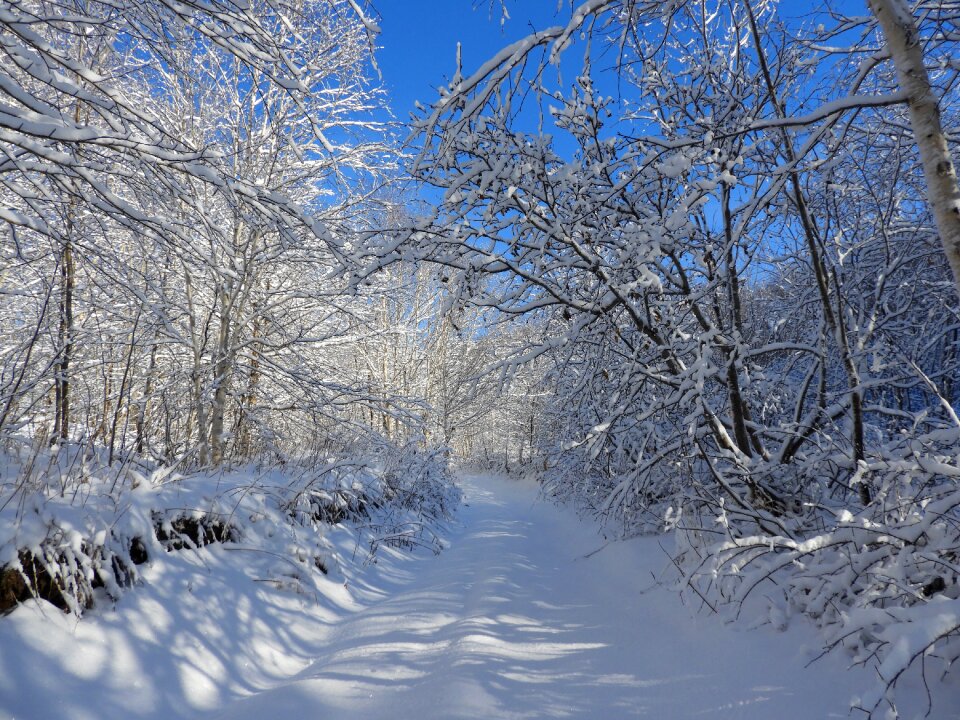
(515, 621)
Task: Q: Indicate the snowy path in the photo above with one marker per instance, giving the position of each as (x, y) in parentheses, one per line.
(514, 622)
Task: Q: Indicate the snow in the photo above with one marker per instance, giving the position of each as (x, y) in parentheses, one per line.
(526, 614)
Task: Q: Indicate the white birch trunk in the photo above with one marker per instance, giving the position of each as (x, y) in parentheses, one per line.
(943, 192)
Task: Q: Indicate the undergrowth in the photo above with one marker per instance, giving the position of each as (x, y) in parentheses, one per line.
(74, 530)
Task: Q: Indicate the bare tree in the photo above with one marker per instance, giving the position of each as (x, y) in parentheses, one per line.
(188, 194)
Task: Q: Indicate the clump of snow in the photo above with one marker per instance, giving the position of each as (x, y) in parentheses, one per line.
(675, 165)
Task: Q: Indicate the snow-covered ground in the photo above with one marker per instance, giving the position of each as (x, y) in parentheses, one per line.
(527, 614)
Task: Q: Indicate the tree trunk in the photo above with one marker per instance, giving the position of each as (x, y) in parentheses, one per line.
(61, 431)
(199, 408)
(249, 400)
(943, 192)
(834, 320)
(221, 375)
(119, 407)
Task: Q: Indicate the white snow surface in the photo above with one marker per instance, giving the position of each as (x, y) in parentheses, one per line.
(527, 614)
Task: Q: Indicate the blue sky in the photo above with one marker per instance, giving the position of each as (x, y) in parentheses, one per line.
(419, 37)
(419, 40)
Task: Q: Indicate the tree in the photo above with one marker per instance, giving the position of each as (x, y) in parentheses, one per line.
(904, 43)
(651, 235)
(746, 303)
(169, 239)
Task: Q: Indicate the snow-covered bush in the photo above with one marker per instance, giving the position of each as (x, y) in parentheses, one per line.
(418, 495)
(882, 582)
(74, 529)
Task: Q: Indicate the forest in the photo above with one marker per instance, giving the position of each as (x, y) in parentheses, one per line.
(691, 266)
